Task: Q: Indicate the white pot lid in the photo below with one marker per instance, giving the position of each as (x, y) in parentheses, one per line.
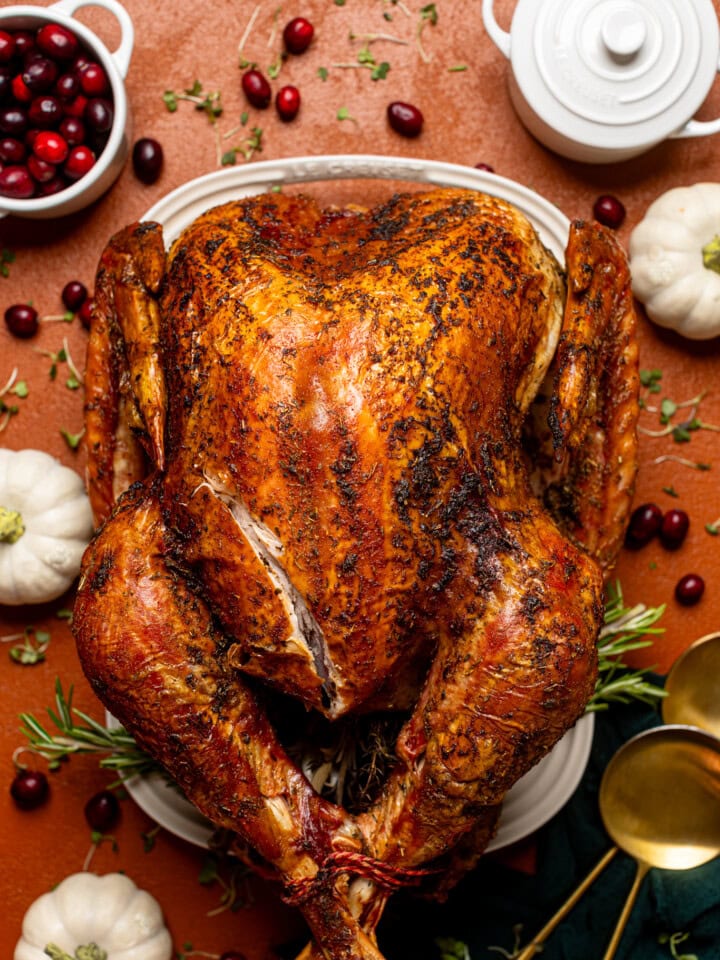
(614, 73)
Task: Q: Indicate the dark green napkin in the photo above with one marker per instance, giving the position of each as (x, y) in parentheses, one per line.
(490, 902)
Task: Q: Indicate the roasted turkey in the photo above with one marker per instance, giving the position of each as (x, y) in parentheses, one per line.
(368, 462)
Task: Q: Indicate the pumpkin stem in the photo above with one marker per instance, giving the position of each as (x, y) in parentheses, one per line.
(11, 525)
(90, 951)
(711, 254)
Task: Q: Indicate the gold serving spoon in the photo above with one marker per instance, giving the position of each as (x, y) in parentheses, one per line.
(660, 803)
(693, 686)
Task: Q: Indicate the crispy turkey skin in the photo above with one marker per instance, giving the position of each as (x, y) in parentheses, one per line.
(373, 460)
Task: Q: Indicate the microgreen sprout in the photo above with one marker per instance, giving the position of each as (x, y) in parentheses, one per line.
(248, 30)
(451, 949)
(428, 14)
(209, 103)
(30, 646)
(17, 388)
(247, 149)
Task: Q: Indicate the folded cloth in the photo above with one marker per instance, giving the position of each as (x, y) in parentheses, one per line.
(495, 909)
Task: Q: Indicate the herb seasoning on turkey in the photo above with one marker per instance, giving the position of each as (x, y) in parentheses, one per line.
(364, 461)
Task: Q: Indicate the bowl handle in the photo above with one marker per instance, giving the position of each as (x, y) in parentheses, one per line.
(697, 128)
(121, 56)
(500, 37)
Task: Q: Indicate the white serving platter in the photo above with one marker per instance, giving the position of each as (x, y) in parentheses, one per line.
(542, 792)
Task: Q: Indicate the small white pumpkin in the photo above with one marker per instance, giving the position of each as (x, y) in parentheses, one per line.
(110, 912)
(45, 525)
(675, 260)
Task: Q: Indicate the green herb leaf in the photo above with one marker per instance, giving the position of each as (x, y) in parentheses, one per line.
(380, 71)
(429, 13)
(668, 409)
(72, 439)
(670, 491)
(323, 73)
(452, 949)
(20, 389)
(170, 101)
(458, 68)
(651, 379)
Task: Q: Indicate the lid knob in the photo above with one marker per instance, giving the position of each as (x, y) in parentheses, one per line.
(623, 33)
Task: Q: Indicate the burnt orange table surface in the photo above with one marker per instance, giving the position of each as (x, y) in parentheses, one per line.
(468, 119)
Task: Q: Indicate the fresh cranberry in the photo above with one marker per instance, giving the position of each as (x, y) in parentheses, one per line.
(76, 106)
(13, 121)
(20, 90)
(16, 182)
(99, 114)
(57, 41)
(40, 170)
(485, 166)
(22, 320)
(45, 111)
(147, 159)
(74, 294)
(645, 523)
(609, 211)
(67, 86)
(405, 119)
(85, 313)
(73, 130)
(40, 74)
(6, 79)
(297, 35)
(24, 43)
(11, 150)
(102, 811)
(689, 589)
(256, 89)
(80, 62)
(93, 80)
(674, 528)
(51, 147)
(287, 102)
(30, 136)
(29, 789)
(53, 186)
(80, 160)
(7, 46)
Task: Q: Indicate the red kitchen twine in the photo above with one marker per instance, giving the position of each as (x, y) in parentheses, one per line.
(348, 861)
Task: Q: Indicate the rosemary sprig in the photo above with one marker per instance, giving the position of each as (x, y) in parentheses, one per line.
(625, 629)
(79, 733)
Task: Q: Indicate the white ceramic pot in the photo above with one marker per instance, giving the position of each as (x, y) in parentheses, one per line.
(604, 80)
(111, 160)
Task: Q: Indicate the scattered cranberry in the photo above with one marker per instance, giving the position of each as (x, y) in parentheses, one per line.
(16, 183)
(57, 41)
(51, 147)
(22, 320)
(405, 119)
(256, 89)
(74, 294)
(674, 528)
(7, 46)
(102, 811)
(287, 102)
(29, 789)
(147, 159)
(80, 160)
(85, 313)
(645, 523)
(609, 211)
(297, 35)
(689, 589)
(11, 150)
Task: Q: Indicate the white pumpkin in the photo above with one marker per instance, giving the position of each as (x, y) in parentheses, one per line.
(45, 525)
(675, 260)
(125, 923)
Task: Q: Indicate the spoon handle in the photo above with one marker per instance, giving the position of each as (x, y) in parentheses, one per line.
(540, 938)
(642, 869)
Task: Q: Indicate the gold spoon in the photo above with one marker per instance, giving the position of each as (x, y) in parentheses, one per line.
(693, 686)
(660, 802)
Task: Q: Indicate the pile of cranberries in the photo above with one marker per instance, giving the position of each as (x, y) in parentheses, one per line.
(56, 111)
